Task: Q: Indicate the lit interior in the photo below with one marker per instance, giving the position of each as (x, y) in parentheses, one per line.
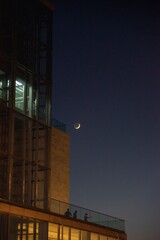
(19, 94)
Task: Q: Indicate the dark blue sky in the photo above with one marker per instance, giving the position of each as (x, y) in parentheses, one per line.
(106, 75)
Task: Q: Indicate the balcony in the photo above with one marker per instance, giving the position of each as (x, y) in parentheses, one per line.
(93, 217)
(58, 207)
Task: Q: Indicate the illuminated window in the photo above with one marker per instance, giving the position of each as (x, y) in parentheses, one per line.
(94, 236)
(75, 234)
(103, 237)
(65, 233)
(20, 94)
(27, 231)
(85, 235)
(53, 231)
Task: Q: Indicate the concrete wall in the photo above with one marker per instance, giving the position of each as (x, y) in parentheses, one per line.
(59, 175)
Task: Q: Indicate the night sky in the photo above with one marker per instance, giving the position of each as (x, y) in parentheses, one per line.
(106, 75)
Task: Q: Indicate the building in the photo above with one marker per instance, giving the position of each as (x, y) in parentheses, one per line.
(34, 155)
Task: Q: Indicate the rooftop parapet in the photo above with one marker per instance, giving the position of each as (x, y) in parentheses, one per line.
(59, 125)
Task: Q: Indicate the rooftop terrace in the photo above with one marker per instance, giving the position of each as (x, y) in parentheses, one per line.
(94, 217)
(58, 207)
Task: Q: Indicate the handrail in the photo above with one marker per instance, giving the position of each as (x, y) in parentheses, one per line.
(92, 216)
(58, 207)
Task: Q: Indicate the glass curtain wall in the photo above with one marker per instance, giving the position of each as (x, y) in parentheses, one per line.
(25, 100)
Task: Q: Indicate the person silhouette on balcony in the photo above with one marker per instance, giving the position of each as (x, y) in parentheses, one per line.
(75, 214)
(86, 217)
(68, 213)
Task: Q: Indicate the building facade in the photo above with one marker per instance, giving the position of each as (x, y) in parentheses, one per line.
(34, 154)
(25, 100)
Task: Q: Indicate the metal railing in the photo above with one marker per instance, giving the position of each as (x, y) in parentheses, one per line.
(93, 216)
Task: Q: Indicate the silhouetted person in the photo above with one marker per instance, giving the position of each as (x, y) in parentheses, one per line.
(68, 213)
(86, 217)
(75, 215)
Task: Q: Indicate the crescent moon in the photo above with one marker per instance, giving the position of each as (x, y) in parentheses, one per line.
(77, 125)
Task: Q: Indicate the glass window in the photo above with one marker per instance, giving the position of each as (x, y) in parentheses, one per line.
(75, 233)
(103, 237)
(27, 229)
(85, 235)
(53, 231)
(20, 94)
(61, 232)
(30, 228)
(66, 233)
(94, 236)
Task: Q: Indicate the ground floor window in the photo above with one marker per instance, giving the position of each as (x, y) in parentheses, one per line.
(21, 228)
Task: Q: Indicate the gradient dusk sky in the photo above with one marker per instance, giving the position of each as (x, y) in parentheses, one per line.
(106, 75)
